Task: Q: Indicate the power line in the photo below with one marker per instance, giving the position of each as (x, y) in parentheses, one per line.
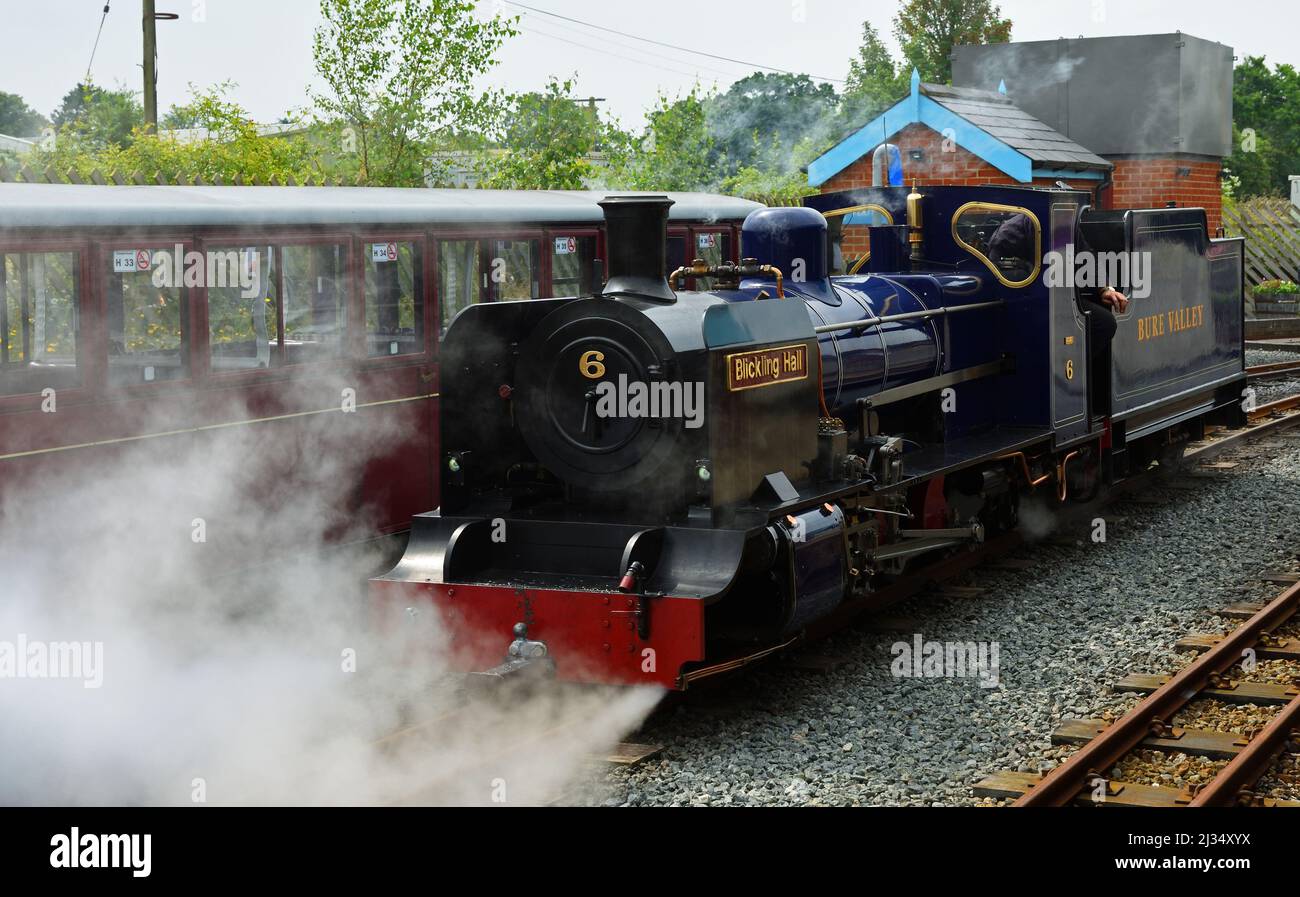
(653, 65)
(96, 46)
(657, 43)
(633, 49)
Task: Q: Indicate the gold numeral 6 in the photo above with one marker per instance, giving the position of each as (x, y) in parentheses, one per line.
(590, 365)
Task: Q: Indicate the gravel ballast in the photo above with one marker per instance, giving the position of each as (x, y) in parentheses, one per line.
(1083, 616)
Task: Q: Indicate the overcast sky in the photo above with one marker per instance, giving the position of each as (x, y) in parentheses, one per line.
(265, 45)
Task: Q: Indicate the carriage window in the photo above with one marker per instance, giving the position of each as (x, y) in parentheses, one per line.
(1007, 239)
(243, 311)
(458, 279)
(394, 298)
(38, 321)
(148, 316)
(513, 269)
(714, 249)
(315, 301)
(572, 260)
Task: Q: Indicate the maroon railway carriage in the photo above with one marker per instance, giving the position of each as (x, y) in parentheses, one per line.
(351, 288)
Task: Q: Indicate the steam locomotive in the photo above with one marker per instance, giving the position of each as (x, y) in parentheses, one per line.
(653, 485)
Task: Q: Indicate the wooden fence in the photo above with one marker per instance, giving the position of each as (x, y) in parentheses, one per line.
(28, 175)
(1272, 231)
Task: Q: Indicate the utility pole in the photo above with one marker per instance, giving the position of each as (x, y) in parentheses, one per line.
(150, 23)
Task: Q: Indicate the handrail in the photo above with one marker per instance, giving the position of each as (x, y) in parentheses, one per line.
(907, 316)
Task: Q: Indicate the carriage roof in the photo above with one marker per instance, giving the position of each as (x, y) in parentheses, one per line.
(78, 205)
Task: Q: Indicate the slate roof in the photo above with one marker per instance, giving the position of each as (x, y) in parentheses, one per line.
(995, 114)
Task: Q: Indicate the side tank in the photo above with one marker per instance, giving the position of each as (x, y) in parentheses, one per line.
(855, 364)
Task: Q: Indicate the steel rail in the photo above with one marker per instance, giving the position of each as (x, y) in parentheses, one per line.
(1062, 785)
(1277, 406)
(1260, 371)
(1232, 785)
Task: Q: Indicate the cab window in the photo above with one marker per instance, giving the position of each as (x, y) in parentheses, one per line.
(394, 297)
(1006, 239)
(148, 316)
(38, 321)
(848, 236)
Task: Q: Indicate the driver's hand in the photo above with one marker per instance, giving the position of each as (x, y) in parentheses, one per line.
(1116, 300)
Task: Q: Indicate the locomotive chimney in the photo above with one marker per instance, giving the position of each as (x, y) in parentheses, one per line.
(636, 243)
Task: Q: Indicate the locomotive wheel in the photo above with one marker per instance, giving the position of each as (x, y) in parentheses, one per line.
(1172, 458)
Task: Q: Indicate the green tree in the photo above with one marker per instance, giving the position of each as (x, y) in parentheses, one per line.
(874, 81)
(759, 119)
(548, 143)
(927, 30)
(98, 118)
(232, 148)
(674, 151)
(784, 185)
(17, 119)
(1266, 128)
(401, 81)
(1254, 168)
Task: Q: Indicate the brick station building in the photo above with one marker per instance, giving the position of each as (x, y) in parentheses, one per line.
(1143, 121)
(956, 136)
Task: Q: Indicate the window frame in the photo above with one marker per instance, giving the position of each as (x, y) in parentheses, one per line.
(693, 241)
(347, 351)
(580, 232)
(89, 321)
(543, 271)
(193, 299)
(1001, 207)
(363, 238)
(852, 210)
(241, 240)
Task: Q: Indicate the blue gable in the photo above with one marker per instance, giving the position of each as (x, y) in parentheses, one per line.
(916, 108)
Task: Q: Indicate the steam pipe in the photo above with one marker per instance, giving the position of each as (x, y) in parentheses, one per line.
(700, 269)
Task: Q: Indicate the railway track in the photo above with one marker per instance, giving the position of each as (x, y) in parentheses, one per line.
(1269, 632)
(1220, 675)
(1274, 370)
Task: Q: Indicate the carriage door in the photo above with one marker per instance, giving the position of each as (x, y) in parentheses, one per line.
(1068, 338)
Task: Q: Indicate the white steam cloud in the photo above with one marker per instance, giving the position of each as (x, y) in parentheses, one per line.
(249, 668)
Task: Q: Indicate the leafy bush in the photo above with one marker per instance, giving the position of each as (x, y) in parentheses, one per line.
(1283, 289)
